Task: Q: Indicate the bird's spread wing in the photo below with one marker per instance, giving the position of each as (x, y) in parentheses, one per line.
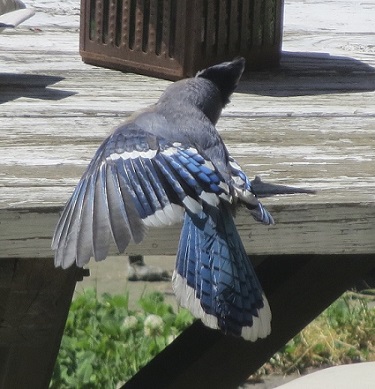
(135, 180)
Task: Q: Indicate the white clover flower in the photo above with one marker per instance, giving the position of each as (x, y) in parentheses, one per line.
(171, 338)
(153, 325)
(130, 323)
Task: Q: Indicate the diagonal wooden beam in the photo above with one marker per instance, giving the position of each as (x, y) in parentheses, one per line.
(298, 289)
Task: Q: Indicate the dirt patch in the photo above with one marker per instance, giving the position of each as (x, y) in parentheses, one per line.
(111, 276)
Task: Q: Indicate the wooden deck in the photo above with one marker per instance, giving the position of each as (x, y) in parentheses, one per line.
(310, 123)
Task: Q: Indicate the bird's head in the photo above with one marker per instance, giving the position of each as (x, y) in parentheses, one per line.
(209, 90)
(225, 76)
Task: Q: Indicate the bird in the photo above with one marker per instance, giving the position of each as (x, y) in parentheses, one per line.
(163, 165)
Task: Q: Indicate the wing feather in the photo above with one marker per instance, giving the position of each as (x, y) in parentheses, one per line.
(101, 225)
(68, 228)
(117, 211)
(85, 233)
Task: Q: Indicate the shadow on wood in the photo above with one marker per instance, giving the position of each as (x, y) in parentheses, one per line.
(304, 74)
(35, 86)
(298, 289)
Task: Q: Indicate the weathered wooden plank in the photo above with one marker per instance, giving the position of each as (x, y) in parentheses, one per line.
(315, 91)
(309, 124)
(330, 154)
(303, 227)
(308, 136)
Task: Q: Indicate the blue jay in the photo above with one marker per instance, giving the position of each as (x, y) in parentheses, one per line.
(166, 164)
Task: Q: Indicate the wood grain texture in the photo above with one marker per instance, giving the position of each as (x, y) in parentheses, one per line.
(314, 228)
(310, 123)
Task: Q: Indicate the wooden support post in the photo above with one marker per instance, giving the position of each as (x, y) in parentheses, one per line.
(34, 302)
(298, 289)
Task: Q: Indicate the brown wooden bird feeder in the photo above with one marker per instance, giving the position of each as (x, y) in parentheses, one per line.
(174, 39)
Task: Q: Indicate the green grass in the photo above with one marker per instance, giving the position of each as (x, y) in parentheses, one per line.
(343, 333)
(105, 342)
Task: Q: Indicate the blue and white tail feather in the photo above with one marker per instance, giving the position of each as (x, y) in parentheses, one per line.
(214, 278)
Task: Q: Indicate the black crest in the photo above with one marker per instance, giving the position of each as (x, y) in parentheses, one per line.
(225, 76)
